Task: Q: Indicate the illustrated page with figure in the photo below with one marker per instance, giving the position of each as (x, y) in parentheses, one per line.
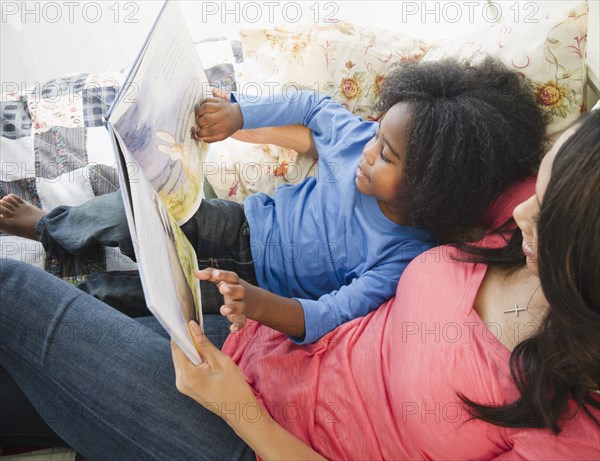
(160, 170)
(154, 113)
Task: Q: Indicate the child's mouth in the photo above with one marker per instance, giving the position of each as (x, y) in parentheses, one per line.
(360, 174)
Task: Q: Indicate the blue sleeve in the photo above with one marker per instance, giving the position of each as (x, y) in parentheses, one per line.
(328, 120)
(364, 294)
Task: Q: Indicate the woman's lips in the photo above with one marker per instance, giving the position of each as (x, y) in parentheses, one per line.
(528, 250)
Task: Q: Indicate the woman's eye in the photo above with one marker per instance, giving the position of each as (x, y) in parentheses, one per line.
(383, 157)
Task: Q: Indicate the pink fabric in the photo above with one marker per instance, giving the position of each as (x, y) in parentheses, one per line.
(385, 386)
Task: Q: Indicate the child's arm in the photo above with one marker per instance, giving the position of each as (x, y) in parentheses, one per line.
(243, 300)
(296, 137)
(305, 320)
(217, 118)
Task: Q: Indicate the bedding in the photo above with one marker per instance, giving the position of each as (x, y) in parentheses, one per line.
(56, 151)
(349, 62)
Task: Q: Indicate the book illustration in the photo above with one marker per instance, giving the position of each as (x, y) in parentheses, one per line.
(155, 116)
(160, 170)
(182, 262)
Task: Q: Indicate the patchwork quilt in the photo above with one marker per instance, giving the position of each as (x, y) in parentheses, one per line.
(55, 151)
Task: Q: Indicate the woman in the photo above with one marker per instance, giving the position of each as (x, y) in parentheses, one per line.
(418, 378)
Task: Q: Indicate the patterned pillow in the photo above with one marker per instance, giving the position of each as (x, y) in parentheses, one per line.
(348, 61)
(550, 52)
(343, 60)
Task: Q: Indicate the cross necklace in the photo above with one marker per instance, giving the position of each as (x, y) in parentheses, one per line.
(518, 309)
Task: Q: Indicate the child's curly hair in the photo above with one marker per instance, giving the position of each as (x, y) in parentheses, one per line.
(474, 130)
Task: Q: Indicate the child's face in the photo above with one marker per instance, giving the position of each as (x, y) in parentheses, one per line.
(380, 170)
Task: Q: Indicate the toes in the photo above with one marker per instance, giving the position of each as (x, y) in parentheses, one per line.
(8, 205)
(9, 201)
(5, 211)
(16, 199)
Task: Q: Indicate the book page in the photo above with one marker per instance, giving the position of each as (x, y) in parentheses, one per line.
(166, 259)
(154, 114)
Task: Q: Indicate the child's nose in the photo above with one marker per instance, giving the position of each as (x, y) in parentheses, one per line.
(369, 154)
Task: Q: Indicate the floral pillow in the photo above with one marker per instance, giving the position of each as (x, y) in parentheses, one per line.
(343, 60)
(348, 61)
(237, 169)
(550, 52)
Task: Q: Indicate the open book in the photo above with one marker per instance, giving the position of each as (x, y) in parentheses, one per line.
(160, 169)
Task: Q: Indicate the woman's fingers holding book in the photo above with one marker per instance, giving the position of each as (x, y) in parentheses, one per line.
(205, 348)
(205, 382)
(217, 383)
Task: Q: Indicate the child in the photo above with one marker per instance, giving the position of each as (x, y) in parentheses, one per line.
(332, 249)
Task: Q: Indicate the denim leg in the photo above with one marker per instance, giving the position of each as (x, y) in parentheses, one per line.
(20, 424)
(83, 231)
(220, 235)
(119, 289)
(86, 228)
(104, 382)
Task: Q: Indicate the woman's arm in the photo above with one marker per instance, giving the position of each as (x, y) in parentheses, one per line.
(219, 385)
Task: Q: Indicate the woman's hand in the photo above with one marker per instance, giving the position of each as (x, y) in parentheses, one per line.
(233, 290)
(217, 384)
(217, 119)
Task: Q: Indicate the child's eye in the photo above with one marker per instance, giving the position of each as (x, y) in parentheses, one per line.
(384, 158)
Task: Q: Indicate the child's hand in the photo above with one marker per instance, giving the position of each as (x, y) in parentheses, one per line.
(217, 119)
(233, 292)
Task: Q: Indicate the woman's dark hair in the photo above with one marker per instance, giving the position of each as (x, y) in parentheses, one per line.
(560, 362)
(474, 129)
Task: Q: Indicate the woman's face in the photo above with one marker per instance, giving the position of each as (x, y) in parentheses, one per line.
(526, 214)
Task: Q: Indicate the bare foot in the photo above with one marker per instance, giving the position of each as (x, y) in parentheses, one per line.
(18, 217)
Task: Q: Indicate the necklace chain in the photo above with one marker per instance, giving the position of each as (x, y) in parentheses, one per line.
(518, 309)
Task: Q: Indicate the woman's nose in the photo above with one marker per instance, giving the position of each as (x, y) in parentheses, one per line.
(523, 214)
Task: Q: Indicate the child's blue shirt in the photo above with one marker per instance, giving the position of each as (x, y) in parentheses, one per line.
(322, 241)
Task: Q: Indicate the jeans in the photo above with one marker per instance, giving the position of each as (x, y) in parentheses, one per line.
(219, 233)
(102, 381)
